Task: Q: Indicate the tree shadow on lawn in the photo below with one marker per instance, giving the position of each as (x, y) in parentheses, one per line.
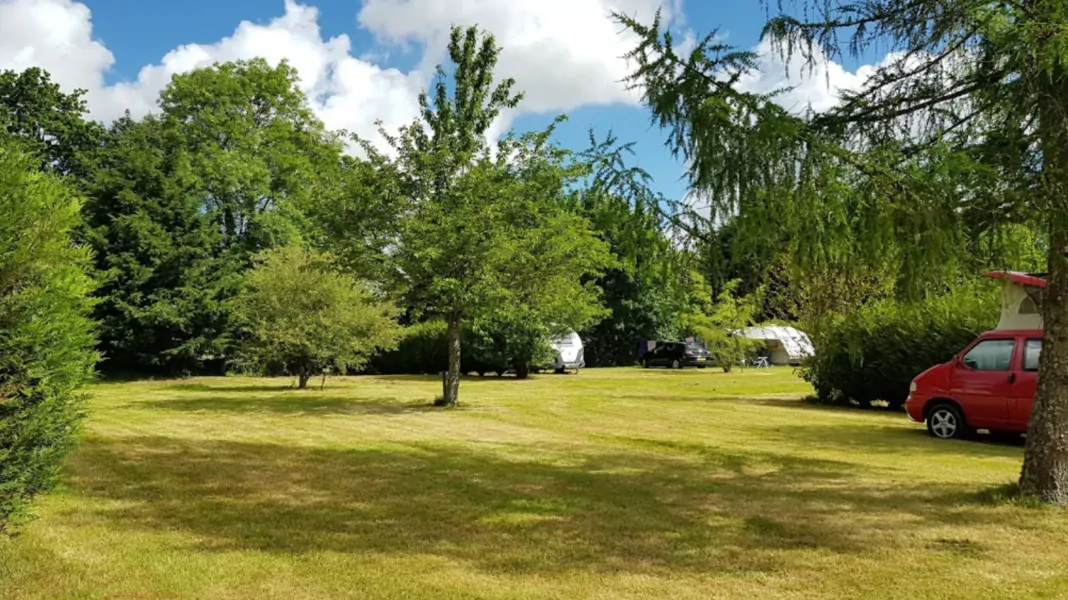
(291, 402)
(876, 438)
(506, 510)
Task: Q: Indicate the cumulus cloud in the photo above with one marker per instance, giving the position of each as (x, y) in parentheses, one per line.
(346, 92)
(565, 54)
(55, 35)
(818, 83)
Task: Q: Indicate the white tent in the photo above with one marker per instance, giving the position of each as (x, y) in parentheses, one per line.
(1021, 299)
(786, 345)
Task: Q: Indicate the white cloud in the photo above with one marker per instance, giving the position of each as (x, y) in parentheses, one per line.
(346, 92)
(55, 35)
(818, 83)
(562, 53)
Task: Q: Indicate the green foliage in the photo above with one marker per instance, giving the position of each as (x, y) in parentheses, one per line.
(46, 338)
(299, 313)
(646, 290)
(420, 351)
(484, 231)
(164, 281)
(960, 135)
(718, 324)
(48, 123)
(514, 339)
(182, 201)
(874, 352)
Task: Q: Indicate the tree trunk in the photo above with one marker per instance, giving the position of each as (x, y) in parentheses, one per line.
(452, 378)
(522, 370)
(1045, 468)
(302, 378)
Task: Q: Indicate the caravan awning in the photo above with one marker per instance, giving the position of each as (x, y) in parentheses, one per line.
(1028, 279)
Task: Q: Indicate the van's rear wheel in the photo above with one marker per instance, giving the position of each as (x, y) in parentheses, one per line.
(675, 364)
(946, 422)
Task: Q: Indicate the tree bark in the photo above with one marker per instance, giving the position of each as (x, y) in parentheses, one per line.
(1045, 468)
(452, 377)
(302, 379)
(522, 370)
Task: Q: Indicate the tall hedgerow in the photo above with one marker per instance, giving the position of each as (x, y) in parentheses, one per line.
(46, 337)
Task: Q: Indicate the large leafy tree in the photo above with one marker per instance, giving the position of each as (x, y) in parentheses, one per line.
(962, 131)
(163, 277)
(183, 200)
(46, 337)
(300, 313)
(484, 228)
(646, 290)
(48, 123)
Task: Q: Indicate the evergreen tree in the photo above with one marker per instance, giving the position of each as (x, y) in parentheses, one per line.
(961, 133)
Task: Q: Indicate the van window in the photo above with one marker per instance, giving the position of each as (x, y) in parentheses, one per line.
(1032, 351)
(990, 355)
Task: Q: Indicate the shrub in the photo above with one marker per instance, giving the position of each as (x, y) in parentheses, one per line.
(421, 351)
(487, 347)
(874, 352)
(299, 312)
(46, 337)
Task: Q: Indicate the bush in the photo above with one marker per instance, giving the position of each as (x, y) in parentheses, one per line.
(299, 312)
(421, 351)
(46, 338)
(874, 352)
(486, 347)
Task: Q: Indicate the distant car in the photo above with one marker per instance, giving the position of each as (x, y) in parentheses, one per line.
(570, 355)
(676, 355)
(988, 385)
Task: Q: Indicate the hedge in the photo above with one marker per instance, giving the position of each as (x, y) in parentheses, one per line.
(874, 352)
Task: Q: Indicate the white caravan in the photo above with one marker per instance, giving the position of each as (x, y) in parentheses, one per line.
(569, 354)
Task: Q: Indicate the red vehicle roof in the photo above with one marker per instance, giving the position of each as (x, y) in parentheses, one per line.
(1028, 279)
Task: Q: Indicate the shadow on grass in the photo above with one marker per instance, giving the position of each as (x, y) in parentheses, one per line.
(291, 401)
(283, 385)
(899, 436)
(504, 508)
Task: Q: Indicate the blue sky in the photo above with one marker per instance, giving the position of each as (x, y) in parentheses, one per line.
(142, 32)
(365, 59)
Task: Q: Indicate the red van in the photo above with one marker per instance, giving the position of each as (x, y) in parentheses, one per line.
(989, 385)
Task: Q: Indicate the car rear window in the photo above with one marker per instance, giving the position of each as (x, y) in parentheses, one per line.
(1032, 352)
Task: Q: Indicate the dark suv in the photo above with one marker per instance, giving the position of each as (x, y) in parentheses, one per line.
(676, 355)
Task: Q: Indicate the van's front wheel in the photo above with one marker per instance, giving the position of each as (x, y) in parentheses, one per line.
(946, 422)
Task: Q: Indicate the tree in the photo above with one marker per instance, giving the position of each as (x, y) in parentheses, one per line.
(163, 279)
(645, 290)
(486, 228)
(46, 337)
(962, 131)
(182, 201)
(719, 323)
(301, 314)
(516, 338)
(48, 123)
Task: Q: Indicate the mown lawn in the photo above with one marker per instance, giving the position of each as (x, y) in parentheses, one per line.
(611, 484)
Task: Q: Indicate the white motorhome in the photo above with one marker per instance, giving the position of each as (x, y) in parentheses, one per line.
(569, 354)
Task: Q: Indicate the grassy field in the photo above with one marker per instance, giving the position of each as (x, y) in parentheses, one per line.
(610, 484)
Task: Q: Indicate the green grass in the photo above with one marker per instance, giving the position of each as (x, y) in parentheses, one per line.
(610, 484)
